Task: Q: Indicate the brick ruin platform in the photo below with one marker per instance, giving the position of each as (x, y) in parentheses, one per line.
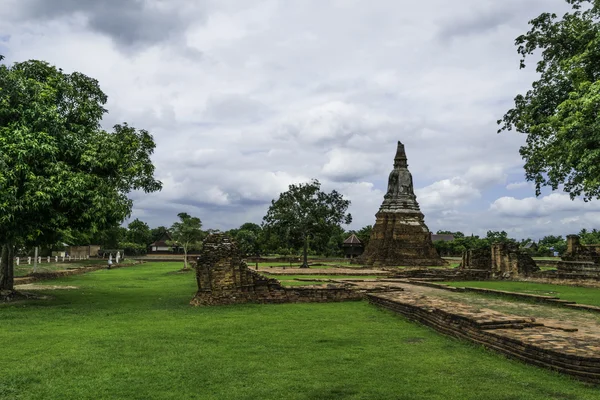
(579, 261)
(522, 338)
(224, 278)
(501, 260)
(441, 274)
(400, 236)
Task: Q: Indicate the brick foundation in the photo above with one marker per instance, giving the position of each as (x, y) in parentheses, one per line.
(517, 337)
(224, 278)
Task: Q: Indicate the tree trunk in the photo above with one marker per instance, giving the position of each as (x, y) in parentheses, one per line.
(305, 253)
(185, 264)
(7, 281)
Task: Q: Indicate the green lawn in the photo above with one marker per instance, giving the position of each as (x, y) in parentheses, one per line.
(130, 334)
(25, 269)
(288, 280)
(580, 295)
(324, 265)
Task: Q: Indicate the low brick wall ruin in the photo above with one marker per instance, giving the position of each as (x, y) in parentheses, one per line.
(579, 262)
(224, 278)
(502, 260)
(516, 337)
(477, 259)
(442, 274)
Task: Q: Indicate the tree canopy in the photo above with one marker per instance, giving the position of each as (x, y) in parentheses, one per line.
(304, 211)
(559, 113)
(186, 233)
(58, 168)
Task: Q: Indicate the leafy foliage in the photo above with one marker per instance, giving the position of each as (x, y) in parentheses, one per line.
(305, 212)
(138, 232)
(461, 243)
(589, 237)
(187, 233)
(58, 168)
(560, 113)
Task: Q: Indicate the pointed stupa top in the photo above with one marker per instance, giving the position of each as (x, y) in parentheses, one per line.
(400, 196)
(400, 161)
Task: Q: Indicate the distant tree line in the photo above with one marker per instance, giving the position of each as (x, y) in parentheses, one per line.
(544, 247)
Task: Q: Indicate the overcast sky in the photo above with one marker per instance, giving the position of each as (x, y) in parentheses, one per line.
(245, 97)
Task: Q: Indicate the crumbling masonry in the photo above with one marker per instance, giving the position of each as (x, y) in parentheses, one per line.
(224, 278)
(502, 260)
(400, 236)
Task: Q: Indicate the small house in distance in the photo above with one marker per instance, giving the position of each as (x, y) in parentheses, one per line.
(161, 245)
(530, 247)
(353, 247)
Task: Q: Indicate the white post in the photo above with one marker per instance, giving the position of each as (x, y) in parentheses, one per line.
(40, 259)
(55, 259)
(48, 259)
(63, 258)
(118, 256)
(68, 258)
(28, 260)
(18, 261)
(35, 260)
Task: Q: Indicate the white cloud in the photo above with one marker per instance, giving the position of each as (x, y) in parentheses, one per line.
(245, 98)
(518, 185)
(550, 205)
(446, 194)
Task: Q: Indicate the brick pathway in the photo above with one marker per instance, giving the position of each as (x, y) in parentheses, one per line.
(525, 338)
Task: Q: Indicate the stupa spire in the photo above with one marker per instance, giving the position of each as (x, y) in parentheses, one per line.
(400, 236)
(400, 161)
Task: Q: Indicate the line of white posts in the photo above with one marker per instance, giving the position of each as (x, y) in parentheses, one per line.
(38, 260)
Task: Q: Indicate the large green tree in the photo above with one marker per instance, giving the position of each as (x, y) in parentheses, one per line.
(304, 211)
(589, 237)
(58, 168)
(187, 233)
(249, 238)
(560, 113)
(139, 232)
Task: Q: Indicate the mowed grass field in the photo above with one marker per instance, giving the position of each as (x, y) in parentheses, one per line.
(25, 269)
(581, 295)
(130, 334)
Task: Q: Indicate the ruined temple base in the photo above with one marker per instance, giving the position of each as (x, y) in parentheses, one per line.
(523, 338)
(400, 239)
(278, 295)
(224, 278)
(501, 260)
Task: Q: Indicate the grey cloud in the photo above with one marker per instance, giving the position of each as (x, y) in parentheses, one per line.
(479, 23)
(127, 22)
(228, 108)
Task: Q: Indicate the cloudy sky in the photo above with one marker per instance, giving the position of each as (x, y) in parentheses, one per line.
(245, 97)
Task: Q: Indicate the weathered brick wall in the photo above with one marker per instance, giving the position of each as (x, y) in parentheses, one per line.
(477, 259)
(224, 278)
(578, 252)
(504, 260)
(83, 251)
(400, 239)
(508, 261)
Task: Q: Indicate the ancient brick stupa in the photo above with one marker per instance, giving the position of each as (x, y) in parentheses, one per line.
(400, 236)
